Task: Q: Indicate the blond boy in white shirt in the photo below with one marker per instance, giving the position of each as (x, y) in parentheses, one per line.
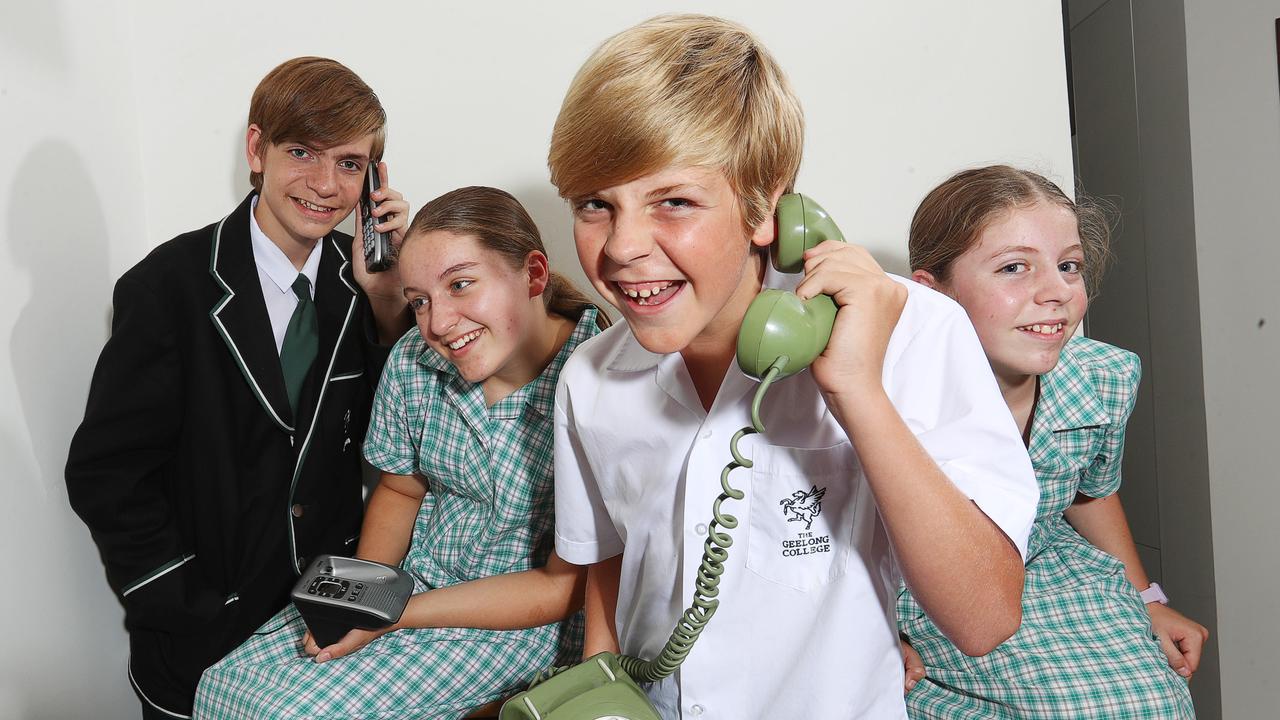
(674, 143)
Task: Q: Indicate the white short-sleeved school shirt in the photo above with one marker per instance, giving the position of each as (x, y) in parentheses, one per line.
(806, 626)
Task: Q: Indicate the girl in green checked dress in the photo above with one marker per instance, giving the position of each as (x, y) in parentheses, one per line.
(462, 432)
(1097, 639)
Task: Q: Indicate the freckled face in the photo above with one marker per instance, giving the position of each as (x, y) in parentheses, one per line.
(1022, 287)
(470, 305)
(306, 191)
(669, 250)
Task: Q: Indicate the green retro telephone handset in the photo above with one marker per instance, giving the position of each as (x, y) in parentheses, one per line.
(780, 336)
(778, 324)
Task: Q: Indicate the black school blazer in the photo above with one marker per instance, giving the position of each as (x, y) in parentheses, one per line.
(203, 491)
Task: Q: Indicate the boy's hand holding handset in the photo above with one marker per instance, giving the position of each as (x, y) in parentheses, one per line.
(869, 304)
(383, 288)
(392, 212)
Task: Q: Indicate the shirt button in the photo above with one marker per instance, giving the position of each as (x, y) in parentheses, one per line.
(696, 710)
(706, 433)
(297, 510)
(700, 528)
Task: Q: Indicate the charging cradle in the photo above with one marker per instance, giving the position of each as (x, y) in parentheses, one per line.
(338, 594)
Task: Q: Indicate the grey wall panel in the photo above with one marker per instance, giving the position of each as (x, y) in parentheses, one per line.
(1110, 167)
(1129, 72)
(1177, 370)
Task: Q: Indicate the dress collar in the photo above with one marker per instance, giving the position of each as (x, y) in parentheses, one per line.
(1068, 397)
(1068, 401)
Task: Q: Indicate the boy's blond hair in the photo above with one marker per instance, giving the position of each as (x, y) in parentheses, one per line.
(680, 90)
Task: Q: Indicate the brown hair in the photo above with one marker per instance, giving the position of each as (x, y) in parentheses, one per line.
(501, 224)
(680, 90)
(953, 215)
(316, 101)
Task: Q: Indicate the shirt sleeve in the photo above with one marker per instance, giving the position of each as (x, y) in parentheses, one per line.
(389, 442)
(585, 533)
(1117, 385)
(943, 387)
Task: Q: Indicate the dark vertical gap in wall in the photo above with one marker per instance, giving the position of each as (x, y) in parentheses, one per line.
(1071, 92)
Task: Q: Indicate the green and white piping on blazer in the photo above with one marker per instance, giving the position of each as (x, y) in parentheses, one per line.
(156, 574)
(253, 382)
(226, 335)
(315, 415)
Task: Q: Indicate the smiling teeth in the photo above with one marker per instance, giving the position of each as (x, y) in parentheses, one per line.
(460, 342)
(1043, 329)
(641, 295)
(312, 206)
(647, 292)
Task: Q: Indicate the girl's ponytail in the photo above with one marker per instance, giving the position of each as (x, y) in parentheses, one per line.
(562, 297)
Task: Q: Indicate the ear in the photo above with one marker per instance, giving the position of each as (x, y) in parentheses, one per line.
(539, 272)
(926, 278)
(767, 231)
(254, 148)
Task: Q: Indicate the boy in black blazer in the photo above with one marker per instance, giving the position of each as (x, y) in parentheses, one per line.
(221, 441)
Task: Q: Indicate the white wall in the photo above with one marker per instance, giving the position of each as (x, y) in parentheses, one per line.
(1234, 101)
(72, 209)
(127, 121)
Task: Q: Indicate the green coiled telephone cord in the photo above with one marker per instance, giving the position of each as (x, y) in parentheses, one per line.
(714, 553)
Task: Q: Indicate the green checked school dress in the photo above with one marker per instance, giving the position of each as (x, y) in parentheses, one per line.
(489, 510)
(1085, 649)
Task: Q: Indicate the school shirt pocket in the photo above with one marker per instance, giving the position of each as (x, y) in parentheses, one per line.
(803, 505)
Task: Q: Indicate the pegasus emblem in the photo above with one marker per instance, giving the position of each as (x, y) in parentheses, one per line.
(803, 506)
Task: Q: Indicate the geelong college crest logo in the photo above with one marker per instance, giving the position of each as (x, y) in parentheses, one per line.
(803, 506)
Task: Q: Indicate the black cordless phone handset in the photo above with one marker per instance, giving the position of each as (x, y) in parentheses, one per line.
(377, 245)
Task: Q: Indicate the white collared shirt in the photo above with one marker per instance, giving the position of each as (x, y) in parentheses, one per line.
(277, 274)
(806, 625)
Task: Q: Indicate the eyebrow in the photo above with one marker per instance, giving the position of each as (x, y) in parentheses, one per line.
(667, 190)
(1027, 249)
(1015, 249)
(458, 268)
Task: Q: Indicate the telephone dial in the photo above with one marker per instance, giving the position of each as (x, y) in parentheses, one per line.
(780, 336)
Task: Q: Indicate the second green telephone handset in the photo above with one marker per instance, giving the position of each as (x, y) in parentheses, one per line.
(780, 336)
